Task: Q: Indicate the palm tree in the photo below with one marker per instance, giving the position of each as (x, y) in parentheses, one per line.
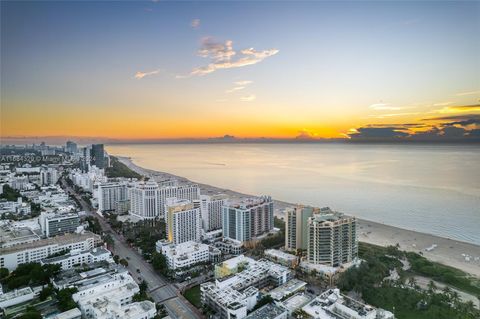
(447, 291)
(412, 282)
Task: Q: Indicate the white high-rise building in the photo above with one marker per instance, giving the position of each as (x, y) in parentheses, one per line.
(109, 195)
(247, 219)
(332, 239)
(144, 200)
(48, 176)
(183, 221)
(211, 209)
(189, 192)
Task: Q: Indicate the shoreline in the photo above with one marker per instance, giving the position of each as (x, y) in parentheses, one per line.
(448, 251)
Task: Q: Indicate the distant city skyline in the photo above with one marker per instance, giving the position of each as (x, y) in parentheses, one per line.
(146, 71)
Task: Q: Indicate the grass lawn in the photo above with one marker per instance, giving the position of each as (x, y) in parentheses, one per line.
(193, 295)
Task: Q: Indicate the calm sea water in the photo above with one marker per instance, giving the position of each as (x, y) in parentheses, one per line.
(429, 188)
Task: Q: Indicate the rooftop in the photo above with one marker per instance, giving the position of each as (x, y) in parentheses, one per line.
(269, 311)
(62, 240)
(249, 202)
(288, 288)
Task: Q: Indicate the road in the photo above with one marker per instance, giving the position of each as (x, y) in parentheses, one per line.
(158, 288)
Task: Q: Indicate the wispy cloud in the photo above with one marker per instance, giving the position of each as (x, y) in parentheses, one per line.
(195, 23)
(240, 85)
(243, 83)
(442, 103)
(383, 106)
(223, 56)
(467, 93)
(388, 107)
(237, 88)
(382, 116)
(140, 75)
(248, 98)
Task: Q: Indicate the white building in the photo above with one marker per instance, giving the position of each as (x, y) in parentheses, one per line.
(35, 251)
(211, 210)
(184, 255)
(112, 298)
(143, 198)
(333, 305)
(332, 239)
(19, 207)
(53, 224)
(110, 195)
(74, 258)
(48, 176)
(281, 257)
(183, 221)
(247, 219)
(171, 189)
(232, 294)
(227, 302)
(269, 311)
(16, 297)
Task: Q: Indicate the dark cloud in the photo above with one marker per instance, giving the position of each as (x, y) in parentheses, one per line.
(463, 120)
(379, 133)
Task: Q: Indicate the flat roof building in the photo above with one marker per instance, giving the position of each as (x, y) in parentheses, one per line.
(333, 305)
(11, 257)
(269, 311)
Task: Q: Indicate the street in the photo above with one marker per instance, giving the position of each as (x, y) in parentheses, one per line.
(158, 288)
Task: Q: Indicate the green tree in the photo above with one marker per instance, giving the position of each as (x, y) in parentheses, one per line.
(65, 301)
(123, 262)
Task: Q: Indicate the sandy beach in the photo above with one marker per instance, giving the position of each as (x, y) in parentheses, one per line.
(458, 254)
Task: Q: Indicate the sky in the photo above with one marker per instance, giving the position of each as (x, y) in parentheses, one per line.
(275, 69)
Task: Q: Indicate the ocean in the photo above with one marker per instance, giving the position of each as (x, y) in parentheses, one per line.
(433, 189)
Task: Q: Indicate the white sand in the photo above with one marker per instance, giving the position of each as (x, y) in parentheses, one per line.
(448, 251)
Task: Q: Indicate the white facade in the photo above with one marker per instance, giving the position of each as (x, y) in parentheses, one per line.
(332, 305)
(183, 221)
(75, 258)
(188, 192)
(144, 200)
(332, 239)
(112, 299)
(211, 210)
(11, 257)
(110, 194)
(16, 297)
(185, 254)
(48, 176)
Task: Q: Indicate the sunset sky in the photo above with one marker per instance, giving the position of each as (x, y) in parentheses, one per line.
(146, 70)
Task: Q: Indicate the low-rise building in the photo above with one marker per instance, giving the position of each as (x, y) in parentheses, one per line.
(237, 283)
(13, 236)
(35, 251)
(281, 257)
(74, 313)
(16, 297)
(184, 255)
(269, 311)
(74, 258)
(288, 289)
(333, 305)
(228, 303)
